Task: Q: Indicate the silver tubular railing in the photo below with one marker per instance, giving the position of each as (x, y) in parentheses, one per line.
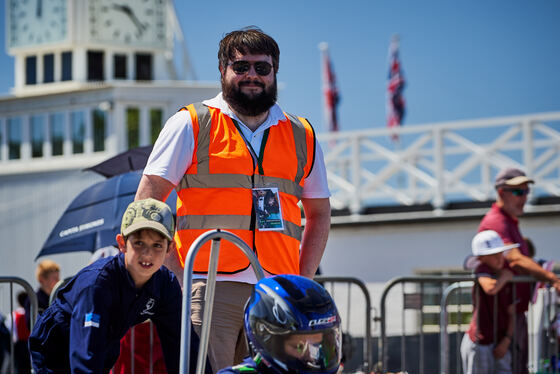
(444, 339)
(33, 309)
(367, 338)
(382, 342)
(215, 236)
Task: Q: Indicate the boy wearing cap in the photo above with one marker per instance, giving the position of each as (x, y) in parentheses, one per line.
(81, 330)
(485, 345)
(512, 188)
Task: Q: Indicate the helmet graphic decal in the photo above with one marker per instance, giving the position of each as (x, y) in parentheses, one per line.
(280, 310)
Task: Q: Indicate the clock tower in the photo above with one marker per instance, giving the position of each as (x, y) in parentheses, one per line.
(66, 44)
(93, 78)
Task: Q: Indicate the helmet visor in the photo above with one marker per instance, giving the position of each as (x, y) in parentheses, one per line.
(316, 351)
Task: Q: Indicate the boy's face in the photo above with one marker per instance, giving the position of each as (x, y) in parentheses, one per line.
(494, 261)
(144, 252)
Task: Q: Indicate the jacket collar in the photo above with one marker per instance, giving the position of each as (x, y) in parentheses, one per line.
(127, 279)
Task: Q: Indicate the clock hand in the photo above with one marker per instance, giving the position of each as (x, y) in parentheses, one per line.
(130, 13)
(141, 27)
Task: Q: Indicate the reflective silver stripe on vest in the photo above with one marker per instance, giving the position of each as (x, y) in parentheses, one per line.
(239, 181)
(214, 221)
(293, 230)
(283, 185)
(230, 222)
(300, 141)
(203, 140)
(216, 181)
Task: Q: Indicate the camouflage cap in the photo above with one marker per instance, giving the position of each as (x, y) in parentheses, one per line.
(148, 214)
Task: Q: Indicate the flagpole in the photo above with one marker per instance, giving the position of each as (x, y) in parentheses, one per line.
(330, 92)
(324, 48)
(395, 100)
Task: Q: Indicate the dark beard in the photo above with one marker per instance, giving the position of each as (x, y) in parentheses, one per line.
(246, 105)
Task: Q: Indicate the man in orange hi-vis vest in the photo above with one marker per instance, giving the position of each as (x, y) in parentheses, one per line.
(239, 163)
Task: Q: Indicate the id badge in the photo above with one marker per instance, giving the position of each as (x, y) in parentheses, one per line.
(268, 211)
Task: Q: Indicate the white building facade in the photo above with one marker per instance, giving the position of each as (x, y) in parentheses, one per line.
(91, 80)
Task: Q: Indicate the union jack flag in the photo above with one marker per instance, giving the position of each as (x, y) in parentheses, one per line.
(395, 87)
(330, 91)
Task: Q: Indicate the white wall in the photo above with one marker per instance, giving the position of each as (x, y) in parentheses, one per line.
(379, 252)
(376, 253)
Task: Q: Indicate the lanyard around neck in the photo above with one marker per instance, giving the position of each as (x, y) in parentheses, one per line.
(258, 159)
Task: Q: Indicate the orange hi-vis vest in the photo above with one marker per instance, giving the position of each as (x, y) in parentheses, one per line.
(216, 190)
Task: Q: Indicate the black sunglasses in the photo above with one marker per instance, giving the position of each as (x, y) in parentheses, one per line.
(518, 191)
(241, 67)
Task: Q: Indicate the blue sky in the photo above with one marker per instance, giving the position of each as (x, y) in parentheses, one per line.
(462, 60)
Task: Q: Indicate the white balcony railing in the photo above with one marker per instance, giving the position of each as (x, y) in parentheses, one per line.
(440, 163)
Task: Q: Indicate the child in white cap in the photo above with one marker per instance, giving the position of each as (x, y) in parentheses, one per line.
(485, 345)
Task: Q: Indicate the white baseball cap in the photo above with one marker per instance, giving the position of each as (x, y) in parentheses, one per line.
(486, 243)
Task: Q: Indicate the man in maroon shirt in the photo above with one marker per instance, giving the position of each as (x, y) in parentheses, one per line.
(512, 187)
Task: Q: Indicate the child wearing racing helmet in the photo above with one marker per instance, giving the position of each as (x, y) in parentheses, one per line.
(292, 326)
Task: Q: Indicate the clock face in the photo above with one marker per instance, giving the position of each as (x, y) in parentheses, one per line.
(135, 22)
(35, 22)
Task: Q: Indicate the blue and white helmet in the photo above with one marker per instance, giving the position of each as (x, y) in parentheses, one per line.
(293, 323)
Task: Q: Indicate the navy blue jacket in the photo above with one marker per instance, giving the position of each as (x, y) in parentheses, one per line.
(81, 331)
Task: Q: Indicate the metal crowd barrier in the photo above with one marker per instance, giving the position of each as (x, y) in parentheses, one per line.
(150, 360)
(215, 236)
(382, 342)
(534, 365)
(33, 309)
(416, 301)
(444, 338)
(367, 323)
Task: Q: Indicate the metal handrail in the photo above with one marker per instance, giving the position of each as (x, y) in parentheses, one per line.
(362, 165)
(33, 309)
(444, 341)
(367, 338)
(215, 236)
(418, 279)
(34, 305)
(382, 348)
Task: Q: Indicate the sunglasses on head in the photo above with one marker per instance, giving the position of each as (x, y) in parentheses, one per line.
(518, 191)
(241, 67)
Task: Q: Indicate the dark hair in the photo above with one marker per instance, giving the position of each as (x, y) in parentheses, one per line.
(22, 298)
(249, 39)
(139, 233)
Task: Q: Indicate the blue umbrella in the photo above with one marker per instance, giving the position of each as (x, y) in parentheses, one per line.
(133, 159)
(93, 219)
